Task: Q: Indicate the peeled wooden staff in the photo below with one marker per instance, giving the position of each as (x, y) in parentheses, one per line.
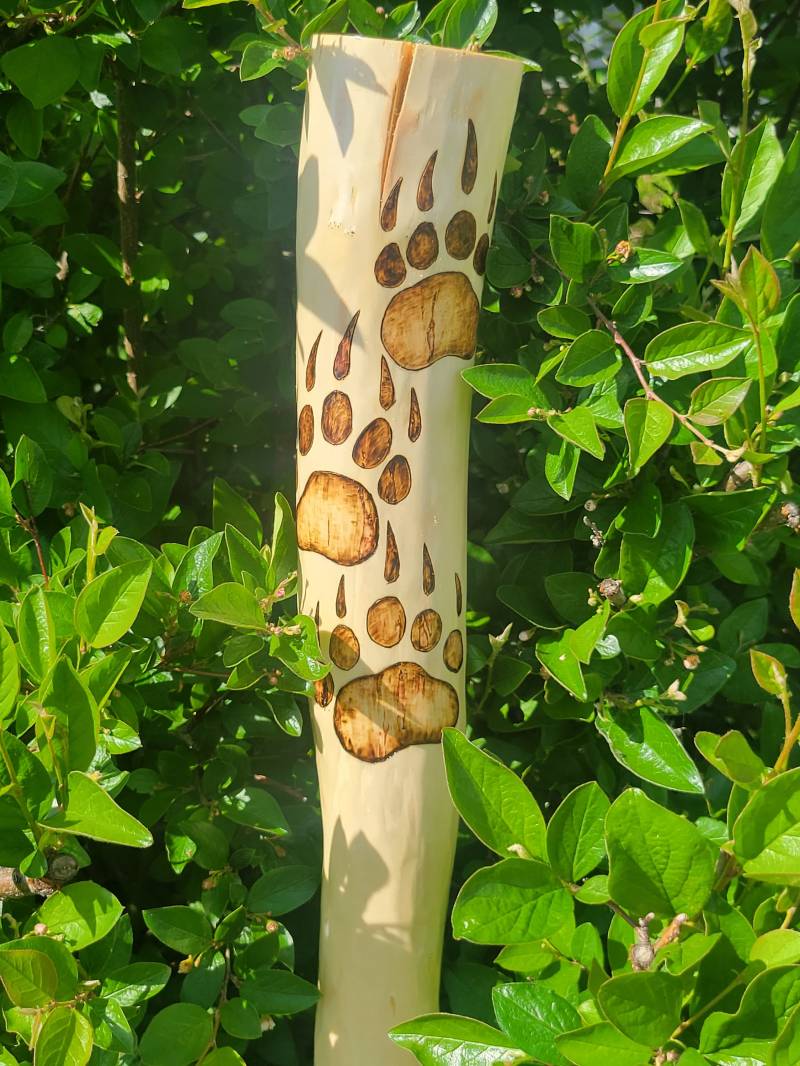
(402, 153)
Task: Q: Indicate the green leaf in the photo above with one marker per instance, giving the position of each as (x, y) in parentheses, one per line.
(37, 635)
(83, 913)
(714, 401)
(65, 1039)
(768, 1001)
(766, 833)
(641, 741)
(513, 902)
(282, 889)
(9, 674)
(645, 1007)
(243, 558)
(44, 69)
(506, 410)
(240, 1019)
(195, 573)
(91, 812)
(258, 59)
(533, 1015)
(644, 266)
(26, 266)
(108, 606)
(283, 549)
(794, 598)
(778, 947)
(496, 380)
(281, 123)
(463, 1041)
(758, 285)
(181, 928)
(786, 1049)
(769, 672)
(469, 23)
(707, 36)
(780, 223)
(758, 159)
(232, 604)
(601, 1045)
(653, 140)
(29, 977)
(658, 861)
(230, 507)
(654, 567)
(575, 843)
(72, 737)
(255, 807)
(136, 982)
(579, 427)
(279, 992)
(695, 347)
(33, 477)
(591, 358)
(732, 756)
(496, 805)
(576, 247)
(563, 321)
(557, 656)
(636, 68)
(648, 425)
(177, 1036)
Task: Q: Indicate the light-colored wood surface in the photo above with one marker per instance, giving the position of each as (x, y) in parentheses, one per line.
(403, 147)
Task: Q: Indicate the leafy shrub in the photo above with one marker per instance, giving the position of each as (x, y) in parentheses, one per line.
(634, 541)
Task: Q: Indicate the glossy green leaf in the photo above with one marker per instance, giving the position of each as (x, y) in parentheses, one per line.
(658, 861)
(533, 1015)
(91, 812)
(600, 1045)
(232, 604)
(575, 246)
(575, 842)
(648, 425)
(579, 427)
(695, 347)
(107, 607)
(177, 1036)
(181, 928)
(766, 833)
(282, 889)
(557, 656)
(637, 67)
(29, 977)
(255, 807)
(280, 992)
(464, 1041)
(653, 140)
(714, 401)
(513, 902)
(593, 357)
(496, 805)
(780, 223)
(65, 1039)
(641, 741)
(82, 912)
(645, 1007)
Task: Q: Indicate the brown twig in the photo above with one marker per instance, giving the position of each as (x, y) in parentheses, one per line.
(30, 527)
(15, 885)
(650, 393)
(128, 206)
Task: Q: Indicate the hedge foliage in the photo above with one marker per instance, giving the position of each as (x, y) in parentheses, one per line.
(634, 549)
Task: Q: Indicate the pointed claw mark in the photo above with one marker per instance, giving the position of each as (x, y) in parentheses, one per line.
(341, 363)
(469, 170)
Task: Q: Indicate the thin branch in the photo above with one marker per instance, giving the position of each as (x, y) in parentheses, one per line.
(638, 368)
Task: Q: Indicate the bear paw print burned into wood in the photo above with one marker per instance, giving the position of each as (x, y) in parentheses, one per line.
(432, 316)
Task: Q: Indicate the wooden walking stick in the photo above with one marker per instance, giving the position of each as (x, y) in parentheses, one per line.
(402, 153)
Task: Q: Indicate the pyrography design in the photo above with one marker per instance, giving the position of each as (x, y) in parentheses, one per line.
(432, 316)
